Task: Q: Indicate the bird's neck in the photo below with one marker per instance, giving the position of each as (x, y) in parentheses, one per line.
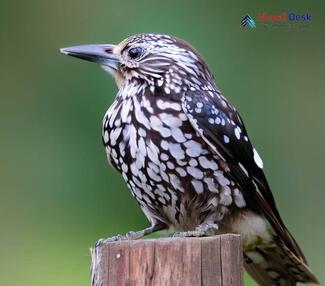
(131, 88)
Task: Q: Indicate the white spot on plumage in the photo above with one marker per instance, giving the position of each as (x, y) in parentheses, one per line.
(176, 183)
(134, 169)
(124, 168)
(222, 180)
(122, 148)
(165, 132)
(212, 186)
(238, 198)
(133, 141)
(195, 172)
(140, 162)
(178, 135)
(199, 105)
(117, 122)
(207, 164)
(225, 138)
(193, 162)
(193, 148)
(176, 151)
(160, 82)
(164, 157)
(175, 106)
(164, 176)
(125, 177)
(163, 166)
(258, 159)
(154, 167)
(170, 120)
(142, 132)
(105, 137)
(182, 116)
(237, 132)
(162, 200)
(162, 104)
(115, 133)
(112, 112)
(181, 171)
(147, 105)
(164, 144)
(177, 89)
(154, 176)
(155, 123)
(139, 115)
(198, 186)
(170, 165)
(153, 152)
(125, 111)
(225, 196)
(114, 154)
(142, 147)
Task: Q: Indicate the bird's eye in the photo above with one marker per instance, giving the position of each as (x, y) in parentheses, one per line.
(135, 52)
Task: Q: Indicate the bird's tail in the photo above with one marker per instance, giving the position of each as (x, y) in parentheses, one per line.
(277, 265)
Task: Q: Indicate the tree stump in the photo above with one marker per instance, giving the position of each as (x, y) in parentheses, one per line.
(208, 261)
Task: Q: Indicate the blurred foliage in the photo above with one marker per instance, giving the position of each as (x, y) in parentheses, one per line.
(58, 194)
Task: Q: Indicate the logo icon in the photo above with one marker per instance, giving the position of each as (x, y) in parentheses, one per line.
(248, 21)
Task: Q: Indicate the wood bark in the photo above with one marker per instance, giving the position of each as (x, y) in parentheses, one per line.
(208, 261)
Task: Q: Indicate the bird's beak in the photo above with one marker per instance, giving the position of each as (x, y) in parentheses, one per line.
(102, 54)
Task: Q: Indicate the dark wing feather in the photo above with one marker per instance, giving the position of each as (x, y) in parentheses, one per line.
(221, 127)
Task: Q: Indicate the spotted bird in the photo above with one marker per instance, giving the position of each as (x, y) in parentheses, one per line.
(185, 155)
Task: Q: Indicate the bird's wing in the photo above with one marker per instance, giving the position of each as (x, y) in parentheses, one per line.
(219, 124)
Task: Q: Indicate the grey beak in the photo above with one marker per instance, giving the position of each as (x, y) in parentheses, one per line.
(102, 54)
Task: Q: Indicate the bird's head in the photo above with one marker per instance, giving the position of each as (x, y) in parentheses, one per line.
(153, 59)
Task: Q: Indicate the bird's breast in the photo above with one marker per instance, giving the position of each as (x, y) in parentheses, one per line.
(166, 164)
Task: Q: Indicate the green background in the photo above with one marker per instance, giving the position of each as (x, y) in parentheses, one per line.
(58, 195)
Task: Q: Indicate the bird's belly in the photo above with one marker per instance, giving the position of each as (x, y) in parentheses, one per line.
(170, 170)
(254, 229)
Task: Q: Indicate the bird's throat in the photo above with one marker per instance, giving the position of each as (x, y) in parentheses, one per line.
(117, 75)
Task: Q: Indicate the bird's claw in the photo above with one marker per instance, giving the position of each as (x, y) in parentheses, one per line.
(193, 233)
(99, 242)
(128, 236)
(118, 237)
(202, 230)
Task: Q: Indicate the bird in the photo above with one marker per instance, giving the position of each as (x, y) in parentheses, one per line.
(185, 155)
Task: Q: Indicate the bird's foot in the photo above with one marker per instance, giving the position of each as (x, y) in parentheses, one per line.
(131, 235)
(192, 233)
(202, 230)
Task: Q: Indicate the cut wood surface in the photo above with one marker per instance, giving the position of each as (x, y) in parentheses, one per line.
(208, 261)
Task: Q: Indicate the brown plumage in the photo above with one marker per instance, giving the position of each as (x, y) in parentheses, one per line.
(184, 153)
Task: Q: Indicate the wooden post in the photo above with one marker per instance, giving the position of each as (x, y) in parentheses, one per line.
(209, 261)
